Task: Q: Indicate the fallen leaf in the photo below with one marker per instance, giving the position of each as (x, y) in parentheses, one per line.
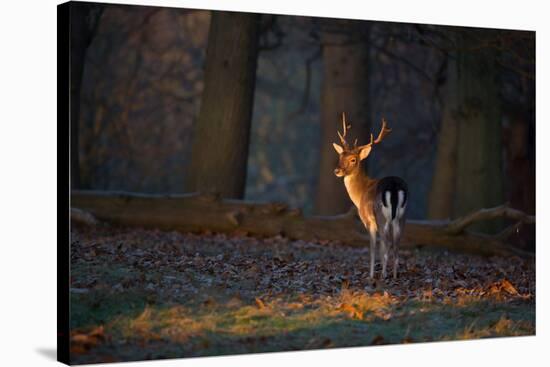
(260, 303)
(508, 287)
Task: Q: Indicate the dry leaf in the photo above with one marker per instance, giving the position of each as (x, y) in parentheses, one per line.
(508, 287)
(260, 303)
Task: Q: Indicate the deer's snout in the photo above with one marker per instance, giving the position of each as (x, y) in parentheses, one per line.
(339, 172)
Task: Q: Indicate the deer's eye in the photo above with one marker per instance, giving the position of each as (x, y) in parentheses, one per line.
(353, 160)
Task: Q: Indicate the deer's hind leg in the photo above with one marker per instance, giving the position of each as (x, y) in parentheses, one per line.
(372, 233)
(397, 228)
(383, 257)
(395, 261)
(385, 245)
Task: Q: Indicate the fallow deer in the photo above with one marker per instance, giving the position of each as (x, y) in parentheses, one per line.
(381, 203)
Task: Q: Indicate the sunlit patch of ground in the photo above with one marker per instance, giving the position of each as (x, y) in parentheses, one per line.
(149, 294)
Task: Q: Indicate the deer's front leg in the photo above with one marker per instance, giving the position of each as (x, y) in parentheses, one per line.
(372, 232)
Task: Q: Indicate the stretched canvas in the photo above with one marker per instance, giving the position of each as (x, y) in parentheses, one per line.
(250, 183)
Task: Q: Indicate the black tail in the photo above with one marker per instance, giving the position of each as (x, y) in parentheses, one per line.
(393, 185)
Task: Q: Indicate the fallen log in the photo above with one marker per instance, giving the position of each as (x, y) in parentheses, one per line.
(199, 212)
(80, 217)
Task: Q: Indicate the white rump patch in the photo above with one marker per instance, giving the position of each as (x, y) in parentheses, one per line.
(386, 210)
(400, 204)
(401, 198)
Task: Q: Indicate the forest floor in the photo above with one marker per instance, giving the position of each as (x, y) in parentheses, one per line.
(142, 294)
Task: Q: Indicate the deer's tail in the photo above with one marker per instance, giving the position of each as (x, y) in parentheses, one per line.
(394, 195)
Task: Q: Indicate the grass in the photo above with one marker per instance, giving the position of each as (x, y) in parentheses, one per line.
(134, 329)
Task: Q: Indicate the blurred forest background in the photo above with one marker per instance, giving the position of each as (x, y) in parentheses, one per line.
(460, 101)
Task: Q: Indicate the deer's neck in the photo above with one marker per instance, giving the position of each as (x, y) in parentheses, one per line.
(356, 185)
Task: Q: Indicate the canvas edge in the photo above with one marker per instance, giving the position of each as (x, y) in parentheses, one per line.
(63, 191)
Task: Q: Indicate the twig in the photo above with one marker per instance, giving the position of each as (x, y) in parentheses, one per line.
(507, 232)
(307, 87)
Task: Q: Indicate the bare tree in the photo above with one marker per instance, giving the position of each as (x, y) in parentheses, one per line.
(84, 20)
(441, 196)
(479, 178)
(220, 147)
(470, 147)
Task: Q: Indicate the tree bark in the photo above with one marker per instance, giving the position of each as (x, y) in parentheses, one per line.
(468, 170)
(84, 19)
(345, 89)
(200, 212)
(441, 196)
(220, 147)
(479, 176)
(78, 15)
(520, 168)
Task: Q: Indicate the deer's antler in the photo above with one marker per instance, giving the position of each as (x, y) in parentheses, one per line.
(345, 131)
(383, 132)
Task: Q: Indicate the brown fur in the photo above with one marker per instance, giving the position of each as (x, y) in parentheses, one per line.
(362, 190)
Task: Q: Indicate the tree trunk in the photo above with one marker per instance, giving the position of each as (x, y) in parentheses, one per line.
(520, 170)
(468, 170)
(441, 196)
(345, 89)
(220, 146)
(84, 19)
(479, 176)
(196, 213)
(78, 47)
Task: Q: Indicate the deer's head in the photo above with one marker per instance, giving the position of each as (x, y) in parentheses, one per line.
(349, 157)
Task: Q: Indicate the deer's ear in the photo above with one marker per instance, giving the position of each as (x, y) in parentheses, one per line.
(337, 148)
(364, 152)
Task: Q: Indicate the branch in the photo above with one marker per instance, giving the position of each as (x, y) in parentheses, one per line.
(507, 232)
(459, 225)
(307, 87)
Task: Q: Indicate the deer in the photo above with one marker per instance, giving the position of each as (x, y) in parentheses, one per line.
(381, 203)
